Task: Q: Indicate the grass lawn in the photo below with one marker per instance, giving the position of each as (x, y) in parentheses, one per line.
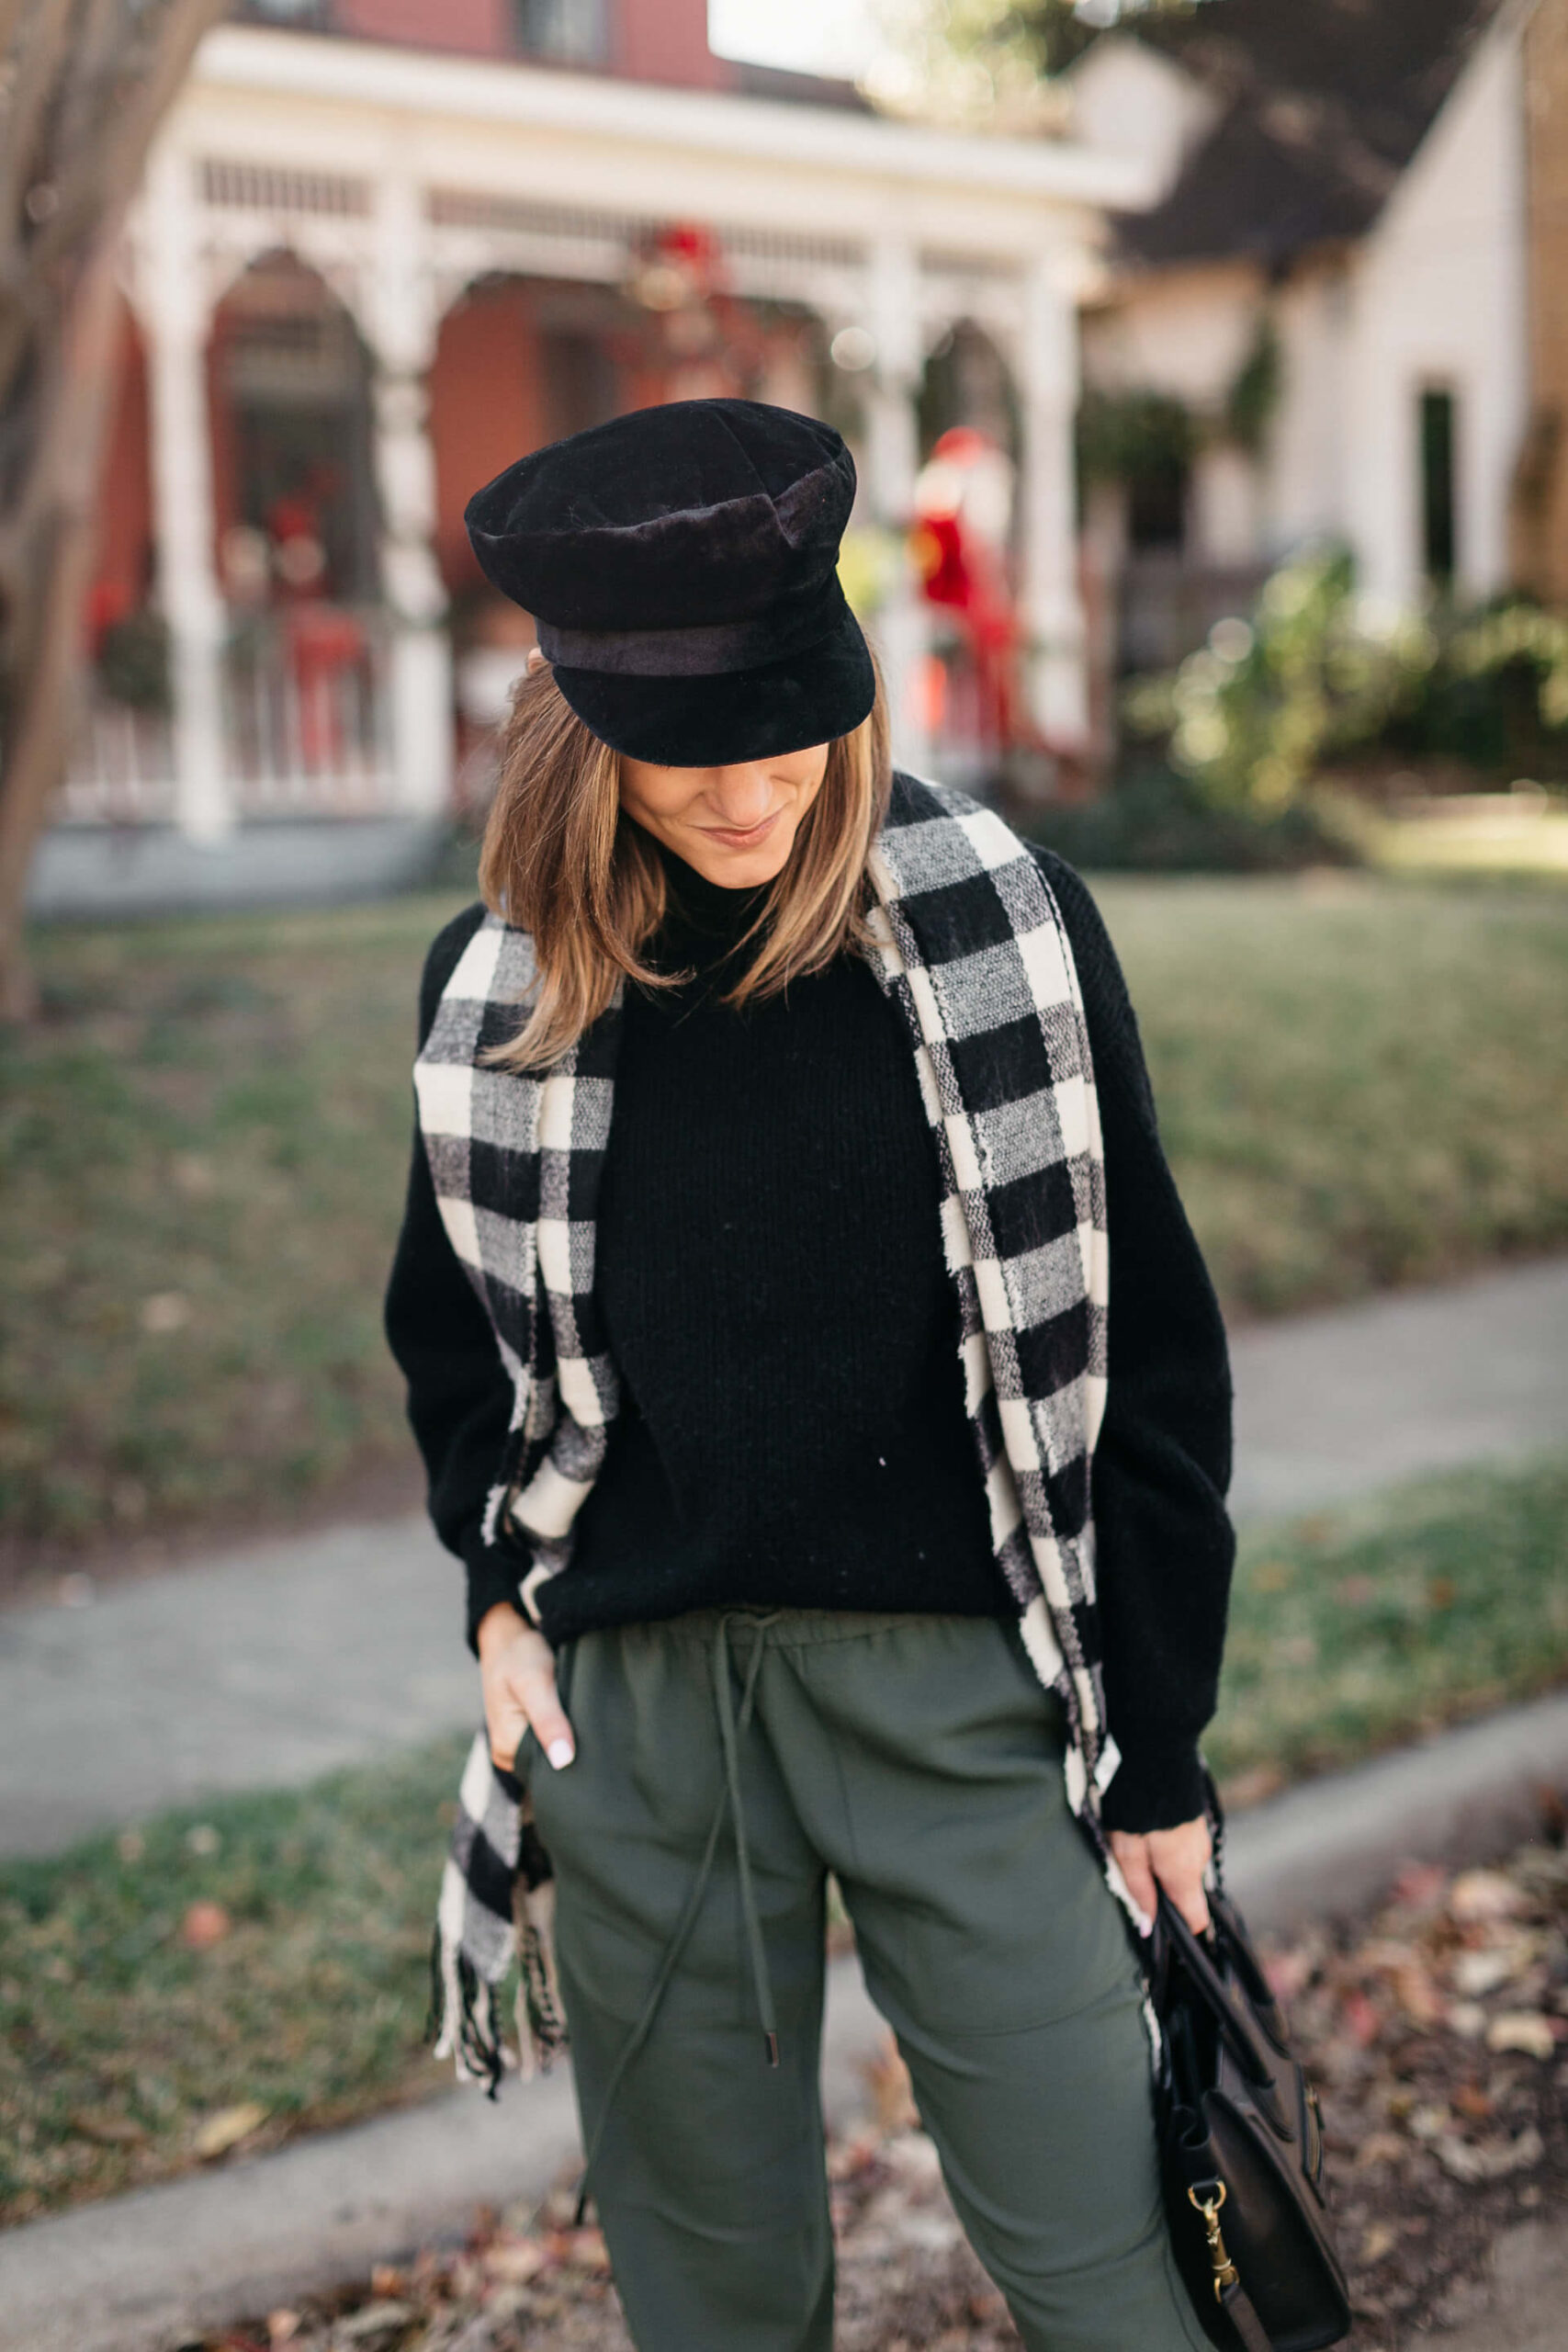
(202, 1150)
(203, 1147)
(126, 2049)
(1361, 1082)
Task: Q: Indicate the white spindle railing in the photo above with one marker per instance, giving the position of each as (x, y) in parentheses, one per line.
(306, 729)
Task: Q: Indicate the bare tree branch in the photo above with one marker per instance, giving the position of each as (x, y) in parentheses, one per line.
(38, 749)
(84, 87)
(40, 61)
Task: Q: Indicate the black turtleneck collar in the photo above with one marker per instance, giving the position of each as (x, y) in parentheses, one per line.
(704, 921)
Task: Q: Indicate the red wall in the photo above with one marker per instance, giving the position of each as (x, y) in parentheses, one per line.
(487, 406)
(666, 40)
(125, 497)
(479, 28)
(650, 40)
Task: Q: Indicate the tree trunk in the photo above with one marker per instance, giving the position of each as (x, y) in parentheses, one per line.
(86, 83)
(43, 703)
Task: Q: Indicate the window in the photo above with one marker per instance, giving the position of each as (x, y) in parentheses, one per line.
(1437, 432)
(570, 30)
(1156, 506)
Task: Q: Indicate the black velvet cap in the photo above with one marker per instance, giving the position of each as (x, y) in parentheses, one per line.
(680, 563)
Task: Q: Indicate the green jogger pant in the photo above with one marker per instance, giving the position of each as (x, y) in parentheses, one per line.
(919, 1759)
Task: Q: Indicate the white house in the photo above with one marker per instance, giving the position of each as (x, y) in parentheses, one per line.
(1344, 199)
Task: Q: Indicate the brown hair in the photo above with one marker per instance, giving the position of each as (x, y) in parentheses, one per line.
(561, 862)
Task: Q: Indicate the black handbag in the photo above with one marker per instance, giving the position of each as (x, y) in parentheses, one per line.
(1241, 2147)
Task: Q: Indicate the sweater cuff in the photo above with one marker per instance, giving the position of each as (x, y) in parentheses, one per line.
(495, 1573)
(1154, 1788)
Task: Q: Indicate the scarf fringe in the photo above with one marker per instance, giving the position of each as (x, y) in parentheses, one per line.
(462, 2022)
(541, 2018)
(463, 2019)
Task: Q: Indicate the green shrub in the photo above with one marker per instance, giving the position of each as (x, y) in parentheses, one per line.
(1315, 678)
(1155, 821)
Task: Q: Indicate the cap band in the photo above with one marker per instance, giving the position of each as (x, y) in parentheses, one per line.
(710, 651)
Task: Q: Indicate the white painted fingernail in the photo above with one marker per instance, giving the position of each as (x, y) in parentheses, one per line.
(561, 1751)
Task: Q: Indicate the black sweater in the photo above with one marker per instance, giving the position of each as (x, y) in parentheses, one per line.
(769, 1273)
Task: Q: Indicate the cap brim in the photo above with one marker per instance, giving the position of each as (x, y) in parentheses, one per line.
(811, 696)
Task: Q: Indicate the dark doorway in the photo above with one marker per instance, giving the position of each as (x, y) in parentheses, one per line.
(1438, 521)
(297, 385)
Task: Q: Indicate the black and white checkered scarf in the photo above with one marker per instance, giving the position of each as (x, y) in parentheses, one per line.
(971, 944)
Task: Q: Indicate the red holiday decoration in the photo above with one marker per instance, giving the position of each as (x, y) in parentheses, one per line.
(959, 544)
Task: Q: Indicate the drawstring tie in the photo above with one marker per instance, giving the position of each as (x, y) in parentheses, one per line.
(732, 1726)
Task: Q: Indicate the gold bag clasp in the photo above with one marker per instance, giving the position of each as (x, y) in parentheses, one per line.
(1223, 2268)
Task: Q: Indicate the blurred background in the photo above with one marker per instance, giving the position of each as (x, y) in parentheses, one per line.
(1205, 364)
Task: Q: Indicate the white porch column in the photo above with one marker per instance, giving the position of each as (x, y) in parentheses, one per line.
(172, 302)
(892, 452)
(1052, 612)
(402, 323)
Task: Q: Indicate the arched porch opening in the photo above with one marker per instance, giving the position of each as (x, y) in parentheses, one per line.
(296, 543)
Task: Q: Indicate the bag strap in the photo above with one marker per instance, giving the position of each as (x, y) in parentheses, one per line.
(1235, 2020)
(1214, 1814)
(1236, 2306)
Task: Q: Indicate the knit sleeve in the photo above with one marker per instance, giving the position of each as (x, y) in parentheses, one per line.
(458, 1394)
(1165, 1547)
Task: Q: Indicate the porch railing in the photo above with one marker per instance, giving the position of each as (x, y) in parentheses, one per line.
(306, 729)
(306, 713)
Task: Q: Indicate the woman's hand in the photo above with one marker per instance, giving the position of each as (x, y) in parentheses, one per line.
(517, 1670)
(1174, 1858)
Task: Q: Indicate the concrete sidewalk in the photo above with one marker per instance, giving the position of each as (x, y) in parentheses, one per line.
(272, 1665)
(1338, 1404)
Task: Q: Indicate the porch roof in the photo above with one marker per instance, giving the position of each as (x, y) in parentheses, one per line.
(674, 150)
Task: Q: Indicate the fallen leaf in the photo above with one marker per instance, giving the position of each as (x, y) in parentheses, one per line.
(515, 2260)
(1380, 2240)
(1287, 1972)
(1469, 2161)
(1467, 2018)
(166, 1310)
(193, 1175)
(1361, 2018)
(387, 2281)
(204, 1924)
(1476, 1974)
(1472, 2102)
(282, 2326)
(1522, 2029)
(847, 2159)
(376, 2319)
(226, 2127)
(107, 2128)
(1416, 1994)
(912, 2158)
(1384, 1952)
(584, 2248)
(887, 2080)
(1379, 2148)
(1428, 2121)
(1419, 1885)
(1484, 1895)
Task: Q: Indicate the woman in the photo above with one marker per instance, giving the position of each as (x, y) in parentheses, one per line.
(823, 1510)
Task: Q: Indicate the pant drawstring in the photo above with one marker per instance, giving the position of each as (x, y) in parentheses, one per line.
(731, 1728)
(762, 1982)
